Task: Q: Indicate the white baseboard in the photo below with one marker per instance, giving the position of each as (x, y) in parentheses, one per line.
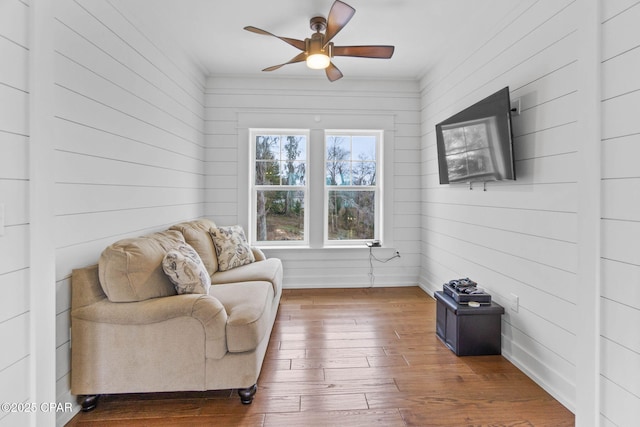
(347, 285)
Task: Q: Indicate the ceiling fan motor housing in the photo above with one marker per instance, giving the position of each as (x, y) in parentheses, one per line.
(315, 45)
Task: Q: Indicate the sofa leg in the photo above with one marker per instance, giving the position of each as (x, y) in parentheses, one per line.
(88, 402)
(246, 394)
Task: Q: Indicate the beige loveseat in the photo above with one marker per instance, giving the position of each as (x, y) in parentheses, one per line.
(131, 332)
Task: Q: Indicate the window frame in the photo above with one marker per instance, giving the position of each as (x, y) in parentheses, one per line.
(377, 188)
(254, 188)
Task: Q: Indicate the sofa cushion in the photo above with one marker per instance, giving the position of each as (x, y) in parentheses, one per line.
(196, 233)
(131, 269)
(269, 270)
(248, 307)
(232, 247)
(184, 268)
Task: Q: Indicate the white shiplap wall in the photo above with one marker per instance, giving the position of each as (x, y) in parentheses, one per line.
(129, 147)
(129, 143)
(14, 195)
(235, 104)
(517, 237)
(620, 296)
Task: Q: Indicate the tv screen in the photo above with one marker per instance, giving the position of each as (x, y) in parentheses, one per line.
(476, 144)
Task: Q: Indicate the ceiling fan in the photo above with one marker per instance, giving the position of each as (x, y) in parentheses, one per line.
(318, 50)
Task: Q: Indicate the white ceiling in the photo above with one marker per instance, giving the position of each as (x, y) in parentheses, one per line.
(211, 31)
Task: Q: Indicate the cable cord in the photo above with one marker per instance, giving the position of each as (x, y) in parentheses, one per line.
(372, 257)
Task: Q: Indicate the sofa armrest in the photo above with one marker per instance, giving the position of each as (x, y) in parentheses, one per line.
(258, 254)
(206, 309)
(154, 310)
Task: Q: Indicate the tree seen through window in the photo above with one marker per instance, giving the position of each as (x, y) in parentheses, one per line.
(350, 177)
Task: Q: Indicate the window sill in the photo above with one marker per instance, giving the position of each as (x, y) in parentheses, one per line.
(332, 247)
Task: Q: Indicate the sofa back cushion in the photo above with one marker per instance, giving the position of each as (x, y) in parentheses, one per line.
(131, 269)
(196, 234)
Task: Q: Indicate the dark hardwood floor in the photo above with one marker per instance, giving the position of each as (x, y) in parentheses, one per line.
(354, 357)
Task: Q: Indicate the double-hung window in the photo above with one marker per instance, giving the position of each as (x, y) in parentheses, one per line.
(346, 205)
(279, 213)
(352, 186)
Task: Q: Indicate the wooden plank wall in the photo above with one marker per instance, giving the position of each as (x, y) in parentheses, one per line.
(620, 295)
(517, 237)
(14, 195)
(235, 104)
(129, 143)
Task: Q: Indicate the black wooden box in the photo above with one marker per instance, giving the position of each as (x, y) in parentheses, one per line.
(468, 331)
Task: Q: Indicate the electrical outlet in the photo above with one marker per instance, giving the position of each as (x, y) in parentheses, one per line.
(1, 219)
(515, 303)
(515, 107)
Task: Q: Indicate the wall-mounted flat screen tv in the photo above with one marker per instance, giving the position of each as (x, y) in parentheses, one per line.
(476, 144)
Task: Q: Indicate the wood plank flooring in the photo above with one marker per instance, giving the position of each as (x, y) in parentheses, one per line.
(354, 357)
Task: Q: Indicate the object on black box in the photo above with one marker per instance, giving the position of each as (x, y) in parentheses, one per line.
(462, 284)
(465, 290)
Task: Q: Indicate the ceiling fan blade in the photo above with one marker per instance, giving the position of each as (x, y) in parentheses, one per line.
(298, 58)
(339, 15)
(384, 52)
(333, 73)
(293, 42)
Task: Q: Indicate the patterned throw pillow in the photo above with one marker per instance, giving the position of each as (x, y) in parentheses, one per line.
(186, 271)
(232, 247)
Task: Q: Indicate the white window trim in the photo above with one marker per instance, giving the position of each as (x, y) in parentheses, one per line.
(378, 188)
(253, 133)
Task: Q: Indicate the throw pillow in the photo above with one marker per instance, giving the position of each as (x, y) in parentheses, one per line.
(232, 247)
(186, 271)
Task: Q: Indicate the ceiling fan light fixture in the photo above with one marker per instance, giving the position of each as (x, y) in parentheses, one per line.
(318, 54)
(318, 61)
